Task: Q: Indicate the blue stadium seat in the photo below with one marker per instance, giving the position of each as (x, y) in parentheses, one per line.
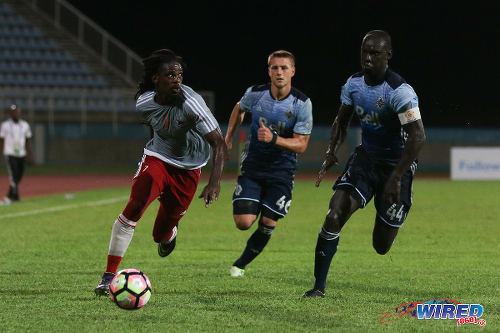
(30, 59)
(37, 66)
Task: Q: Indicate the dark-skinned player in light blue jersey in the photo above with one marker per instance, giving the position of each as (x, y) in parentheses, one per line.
(383, 165)
(280, 129)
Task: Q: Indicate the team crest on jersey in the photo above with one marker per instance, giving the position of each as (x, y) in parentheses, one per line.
(237, 190)
(259, 108)
(289, 114)
(380, 103)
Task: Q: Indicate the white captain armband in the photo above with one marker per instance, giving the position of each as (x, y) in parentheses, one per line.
(409, 116)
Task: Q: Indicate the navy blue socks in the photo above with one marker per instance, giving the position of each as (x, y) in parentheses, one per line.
(255, 245)
(325, 250)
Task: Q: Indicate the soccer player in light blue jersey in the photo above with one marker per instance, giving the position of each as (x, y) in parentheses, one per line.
(383, 165)
(280, 129)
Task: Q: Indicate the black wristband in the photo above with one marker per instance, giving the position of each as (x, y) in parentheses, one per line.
(275, 137)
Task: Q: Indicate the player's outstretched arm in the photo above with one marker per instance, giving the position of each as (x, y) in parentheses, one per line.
(211, 192)
(337, 137)
(235, 120)
(413, 145)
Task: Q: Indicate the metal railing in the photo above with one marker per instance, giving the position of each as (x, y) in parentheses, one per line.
(82, 106)
(113, 53)
(50, 106)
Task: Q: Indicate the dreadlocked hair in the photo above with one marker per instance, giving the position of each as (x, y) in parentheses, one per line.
(152, 65)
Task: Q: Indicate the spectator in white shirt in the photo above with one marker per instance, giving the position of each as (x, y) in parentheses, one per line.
(15, 135)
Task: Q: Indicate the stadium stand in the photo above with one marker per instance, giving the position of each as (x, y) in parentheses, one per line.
(54, 59)
(43, 68)
(74, 82)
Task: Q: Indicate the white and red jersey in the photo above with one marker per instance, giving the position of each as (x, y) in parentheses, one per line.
(178, 131)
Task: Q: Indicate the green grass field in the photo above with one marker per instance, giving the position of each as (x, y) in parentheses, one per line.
(53, 252)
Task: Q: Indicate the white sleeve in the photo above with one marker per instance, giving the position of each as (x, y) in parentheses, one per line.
(3, 131)
(206, 121)
(27, 131)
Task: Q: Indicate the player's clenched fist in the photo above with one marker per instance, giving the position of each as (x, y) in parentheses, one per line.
(264, 134)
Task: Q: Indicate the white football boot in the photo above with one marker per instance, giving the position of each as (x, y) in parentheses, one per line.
(236, 271)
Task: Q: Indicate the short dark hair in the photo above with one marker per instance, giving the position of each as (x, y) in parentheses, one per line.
(281, 54)
(152, 65)
(381, 34)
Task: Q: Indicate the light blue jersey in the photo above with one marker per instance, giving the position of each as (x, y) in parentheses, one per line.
(377, 108)
(290, 115)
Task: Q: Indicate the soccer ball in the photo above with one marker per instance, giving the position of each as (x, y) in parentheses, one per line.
(130, 289)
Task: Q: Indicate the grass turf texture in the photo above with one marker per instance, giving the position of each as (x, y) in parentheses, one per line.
(447, 248)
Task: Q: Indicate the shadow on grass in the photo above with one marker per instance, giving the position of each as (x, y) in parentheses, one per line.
(346, 289)
(212, 295)
(32, 292)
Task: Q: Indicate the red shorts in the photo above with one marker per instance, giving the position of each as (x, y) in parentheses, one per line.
(174, 188)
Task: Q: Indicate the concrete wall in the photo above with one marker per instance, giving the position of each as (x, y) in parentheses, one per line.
(105, 144)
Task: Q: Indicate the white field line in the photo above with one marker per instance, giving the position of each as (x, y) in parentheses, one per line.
(65, 207)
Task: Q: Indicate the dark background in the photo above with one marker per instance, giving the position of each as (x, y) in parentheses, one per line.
(445, 51)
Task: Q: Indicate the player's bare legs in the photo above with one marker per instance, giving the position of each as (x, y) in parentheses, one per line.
(342, 206)
(255, 243)
(383, 236)
(244, 221)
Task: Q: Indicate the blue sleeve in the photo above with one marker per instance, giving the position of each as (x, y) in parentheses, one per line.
(304, 119)
(345, 93)
(246, 101)
(403, 95)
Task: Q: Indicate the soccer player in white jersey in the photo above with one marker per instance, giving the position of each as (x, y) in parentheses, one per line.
(184, 132)
(15, 143)
(383, 165)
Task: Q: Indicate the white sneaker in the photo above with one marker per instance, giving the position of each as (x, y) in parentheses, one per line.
(6, 202)
(236, 271)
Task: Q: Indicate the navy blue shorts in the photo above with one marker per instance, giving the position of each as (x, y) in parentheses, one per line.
(274, 194)
(365, 178)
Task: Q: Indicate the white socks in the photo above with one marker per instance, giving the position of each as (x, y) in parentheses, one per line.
(121, 235)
